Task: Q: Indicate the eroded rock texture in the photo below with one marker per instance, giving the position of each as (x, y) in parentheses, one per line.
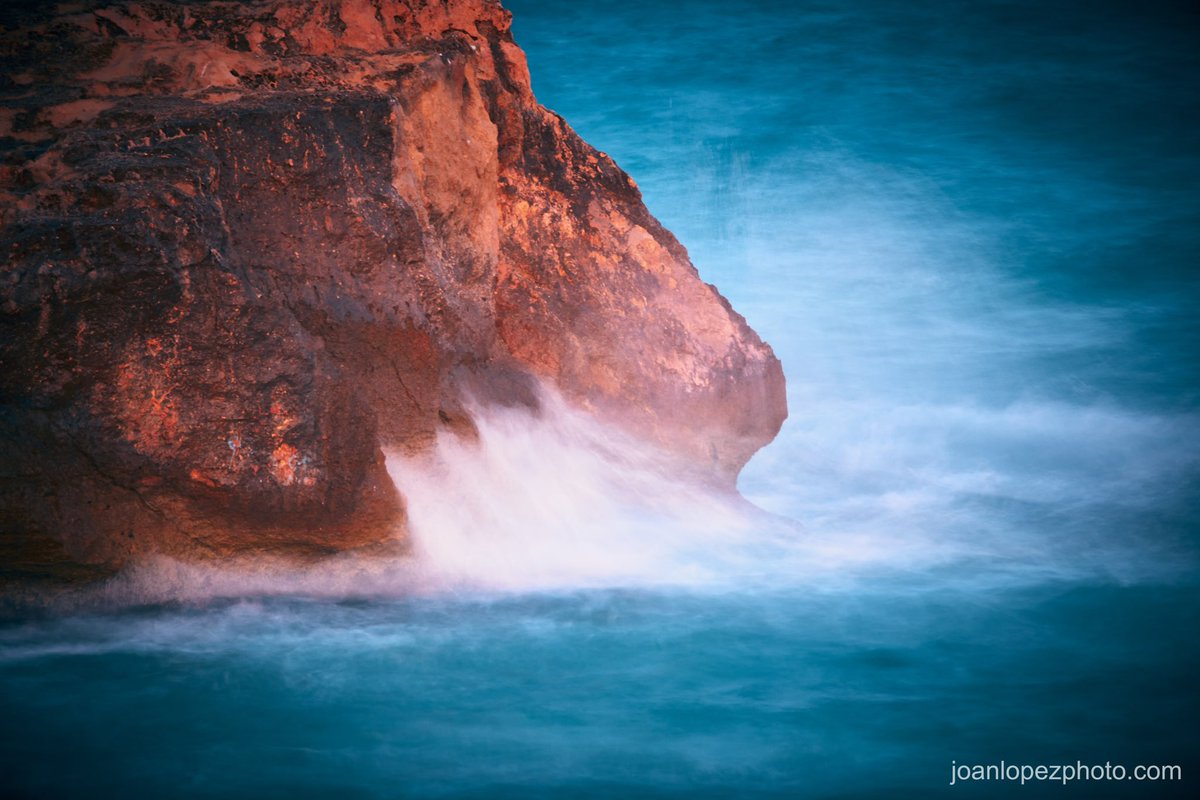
(248, 246)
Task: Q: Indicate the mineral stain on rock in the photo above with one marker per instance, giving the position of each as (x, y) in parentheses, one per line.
(247, 247)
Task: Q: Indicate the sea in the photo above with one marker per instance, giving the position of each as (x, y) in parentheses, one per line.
(971, 232)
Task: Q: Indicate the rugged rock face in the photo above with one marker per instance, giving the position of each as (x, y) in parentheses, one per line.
(247, 246)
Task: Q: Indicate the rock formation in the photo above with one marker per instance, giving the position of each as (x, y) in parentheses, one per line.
(249, 245)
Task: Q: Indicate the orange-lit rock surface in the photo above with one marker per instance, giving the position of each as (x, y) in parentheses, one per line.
(249, 246)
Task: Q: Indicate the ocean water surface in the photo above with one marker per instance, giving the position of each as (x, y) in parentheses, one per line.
(971, 231)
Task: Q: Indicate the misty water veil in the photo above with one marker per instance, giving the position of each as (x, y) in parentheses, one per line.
(970, 234)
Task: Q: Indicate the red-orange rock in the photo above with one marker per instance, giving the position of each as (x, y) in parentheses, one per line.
(247, 246)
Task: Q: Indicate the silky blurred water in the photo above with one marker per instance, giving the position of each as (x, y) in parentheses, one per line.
(971, 231)
(604, 693)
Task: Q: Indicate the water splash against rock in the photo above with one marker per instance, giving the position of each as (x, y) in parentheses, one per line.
(251, 246)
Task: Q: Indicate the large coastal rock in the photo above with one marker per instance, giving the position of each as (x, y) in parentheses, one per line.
(249, 246)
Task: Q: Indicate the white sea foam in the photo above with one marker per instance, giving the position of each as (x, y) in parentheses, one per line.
(553, 500)
(557, 500)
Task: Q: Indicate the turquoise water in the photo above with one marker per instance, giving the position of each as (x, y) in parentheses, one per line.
(971, 232)
(602, 694)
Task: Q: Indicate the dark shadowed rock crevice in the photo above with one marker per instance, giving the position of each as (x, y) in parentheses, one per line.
(249, 247)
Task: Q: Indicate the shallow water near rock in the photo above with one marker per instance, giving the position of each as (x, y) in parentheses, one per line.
(970, 233)
(603, 693)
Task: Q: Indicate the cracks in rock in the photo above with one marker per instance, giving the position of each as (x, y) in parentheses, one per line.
(403, 386)
(107, 476)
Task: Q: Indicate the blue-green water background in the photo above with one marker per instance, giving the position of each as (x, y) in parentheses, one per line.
(971, 231)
